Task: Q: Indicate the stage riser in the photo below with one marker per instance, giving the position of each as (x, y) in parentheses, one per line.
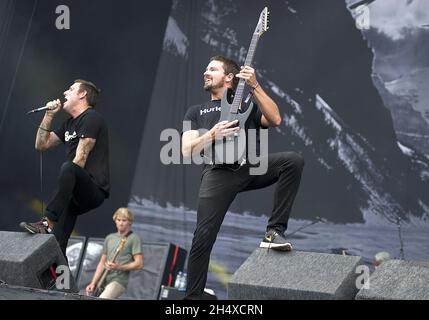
(273, 275)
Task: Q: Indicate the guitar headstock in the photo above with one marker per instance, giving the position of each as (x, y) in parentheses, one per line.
(262, 25)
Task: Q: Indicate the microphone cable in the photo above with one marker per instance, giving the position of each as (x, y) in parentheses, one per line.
(41, 183)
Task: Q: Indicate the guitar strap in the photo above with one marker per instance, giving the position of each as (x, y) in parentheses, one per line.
(128, 234)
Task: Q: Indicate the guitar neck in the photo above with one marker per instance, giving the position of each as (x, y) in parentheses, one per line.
(105, 271)
(239, 92)
(102, 278)
(252, 49)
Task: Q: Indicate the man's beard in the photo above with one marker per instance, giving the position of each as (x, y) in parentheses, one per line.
(210, 87)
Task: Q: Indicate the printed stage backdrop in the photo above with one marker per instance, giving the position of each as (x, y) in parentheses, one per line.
(352, 88)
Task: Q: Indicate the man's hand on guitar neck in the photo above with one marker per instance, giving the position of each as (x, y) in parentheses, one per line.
(270, 111)
(112, 266)
(248, 74)
(136, 264)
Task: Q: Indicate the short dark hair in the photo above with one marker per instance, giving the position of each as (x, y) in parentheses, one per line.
(91, 89)
(230, 66)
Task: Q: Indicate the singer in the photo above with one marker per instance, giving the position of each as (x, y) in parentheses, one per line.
(84, 179)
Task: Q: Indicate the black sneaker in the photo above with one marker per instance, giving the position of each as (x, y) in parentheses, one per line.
(41, 226)
(275, 241)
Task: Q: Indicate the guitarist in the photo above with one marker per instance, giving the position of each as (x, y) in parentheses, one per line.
(221, 183)
(129, 258)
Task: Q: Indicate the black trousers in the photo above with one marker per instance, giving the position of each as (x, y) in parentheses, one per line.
(219, 187)
(76, 194)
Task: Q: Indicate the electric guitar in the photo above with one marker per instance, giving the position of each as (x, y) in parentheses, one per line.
(233, 148)
(99, 288)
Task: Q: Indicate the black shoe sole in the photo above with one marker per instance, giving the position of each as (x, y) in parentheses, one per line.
(27, 228)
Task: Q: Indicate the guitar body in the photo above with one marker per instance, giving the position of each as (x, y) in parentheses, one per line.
(233, 148)
(97, 292)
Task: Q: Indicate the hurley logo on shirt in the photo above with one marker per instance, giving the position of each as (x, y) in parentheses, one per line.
(208, 110)
(68, 136)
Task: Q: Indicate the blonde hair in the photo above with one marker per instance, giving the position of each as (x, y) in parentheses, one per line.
(123, 213)
(381, 257)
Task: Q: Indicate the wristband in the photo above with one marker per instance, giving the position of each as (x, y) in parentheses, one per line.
(255, 86)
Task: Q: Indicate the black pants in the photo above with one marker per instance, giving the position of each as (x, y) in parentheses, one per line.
(219, 187)
(76, 194)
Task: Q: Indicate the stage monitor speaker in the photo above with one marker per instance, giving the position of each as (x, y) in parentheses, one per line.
(34, 261)
(397, 280)
(161, 263)
(296, 275)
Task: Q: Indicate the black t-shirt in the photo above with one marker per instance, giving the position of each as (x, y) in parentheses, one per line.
(206, 115)
(89, 124)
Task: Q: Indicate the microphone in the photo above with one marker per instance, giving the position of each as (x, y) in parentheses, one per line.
(50, 105)
(38, 110)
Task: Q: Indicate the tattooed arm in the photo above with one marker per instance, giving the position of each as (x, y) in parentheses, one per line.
(83, 149)
(46, 139)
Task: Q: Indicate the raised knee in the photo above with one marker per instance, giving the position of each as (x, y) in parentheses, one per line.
(298, 161)
(294, 160)
(68, 167)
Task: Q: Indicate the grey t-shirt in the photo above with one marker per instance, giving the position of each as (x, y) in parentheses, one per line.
(132, 247)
